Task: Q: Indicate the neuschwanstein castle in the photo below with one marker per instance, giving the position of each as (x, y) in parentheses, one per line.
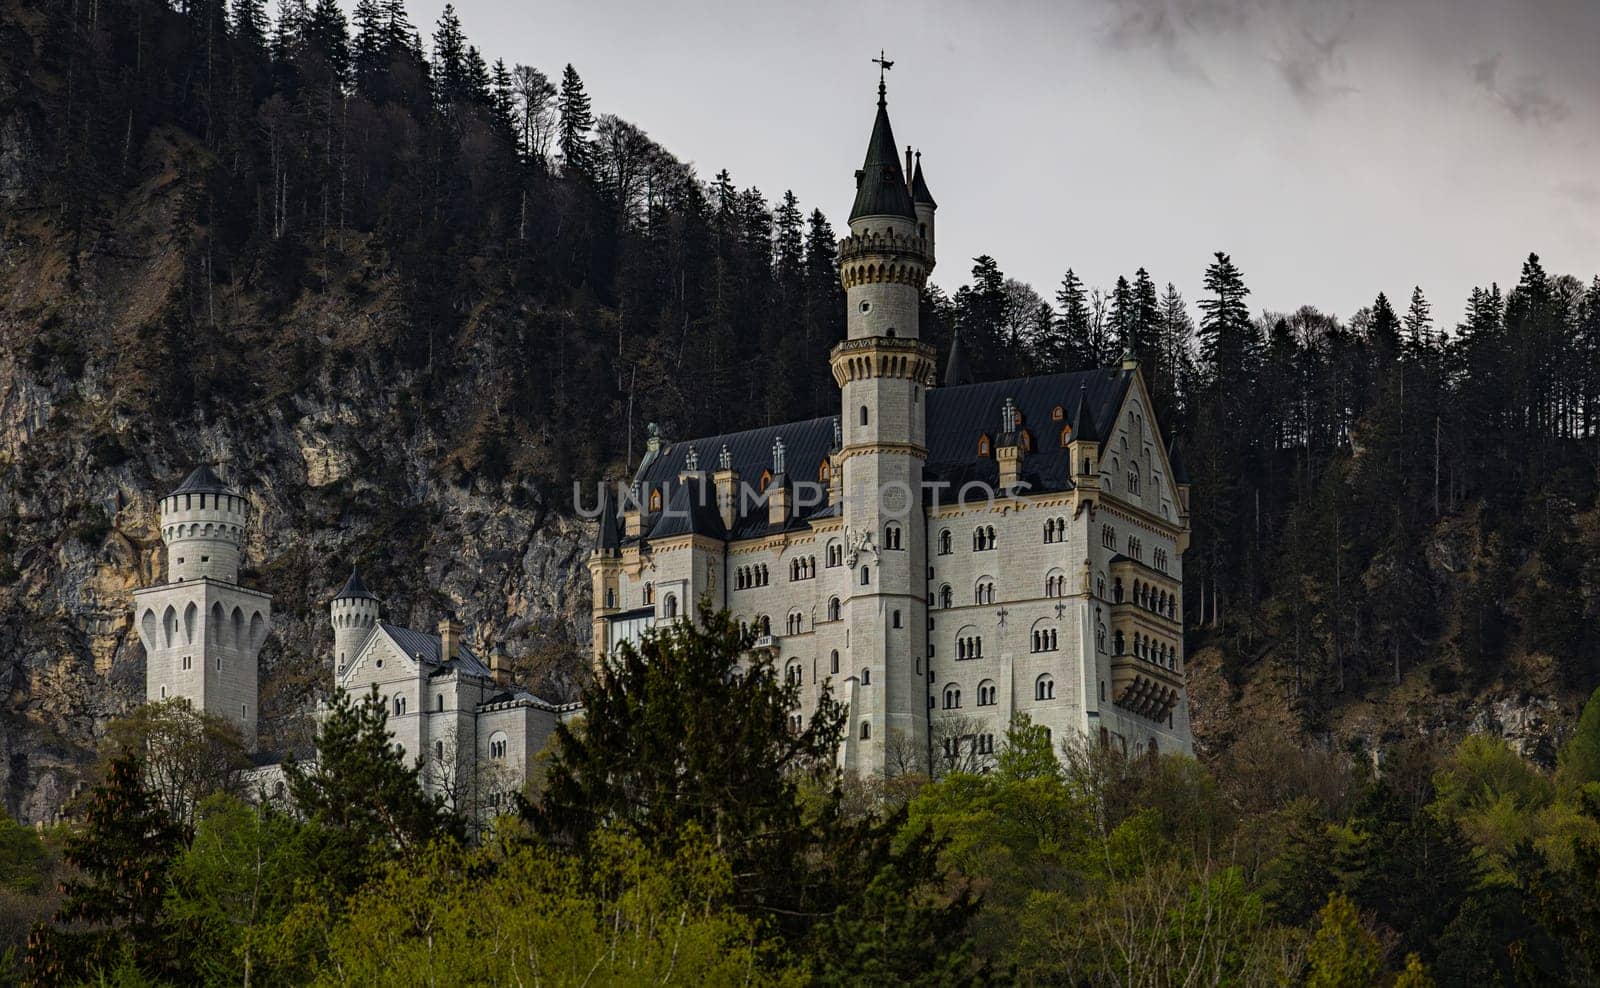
(944, 555)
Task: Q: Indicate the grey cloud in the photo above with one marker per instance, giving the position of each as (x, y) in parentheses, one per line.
(1582, 193)
(1526, 98)
(1311, 68)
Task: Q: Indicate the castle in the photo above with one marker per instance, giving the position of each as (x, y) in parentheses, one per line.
(475, 731)
(944, 555)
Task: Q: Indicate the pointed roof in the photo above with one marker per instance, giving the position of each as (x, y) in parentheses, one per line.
(881, 188)
(202, 481)
(1083, 425)
(1180, 473)
(919, 188)
(955, 368)
(610, 534)
(354, 589)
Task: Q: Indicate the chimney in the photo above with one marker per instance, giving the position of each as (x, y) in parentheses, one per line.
(632, 522)
(1008, 451)
(500, 666)
(726, 480)
(449, 637)
(778, 489)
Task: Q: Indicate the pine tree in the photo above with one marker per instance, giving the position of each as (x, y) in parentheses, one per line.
(328, 35)
(250, 26)
(369, 53)
(1227, 338)
(452, 83)
(1145, 322)
(1419, 322)
(122, 854)
(1072, 347)
(576, 122)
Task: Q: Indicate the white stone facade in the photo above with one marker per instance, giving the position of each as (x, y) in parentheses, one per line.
(944, 558)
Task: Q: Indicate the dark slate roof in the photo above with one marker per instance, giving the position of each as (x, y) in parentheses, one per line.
(202, 481)
(353, 587)
(691, 510)
(919, 188)
(957, 416)
(415, 643)
(1084, 426)
(955, 368)
(805, 445)
(1180, 473)
(610, 531)
(881, 183)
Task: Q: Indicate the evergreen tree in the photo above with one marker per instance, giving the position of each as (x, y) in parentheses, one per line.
(369, 52)
(576, 122)
(328, 36)
(451, 72)
(1419, 322)
(1073, 346)
(250, 26)
(1227, 338)
(122, 854)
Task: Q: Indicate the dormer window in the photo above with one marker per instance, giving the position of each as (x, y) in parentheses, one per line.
(655, 500)
(983, 445)
(1057, 413)
(766, 478)
(1026, 441)
(825, 472)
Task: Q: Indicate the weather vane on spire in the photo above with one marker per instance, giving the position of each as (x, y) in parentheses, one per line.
(883, 65)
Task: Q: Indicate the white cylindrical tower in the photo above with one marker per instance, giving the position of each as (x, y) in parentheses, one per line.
(354, 613)
(202, 524)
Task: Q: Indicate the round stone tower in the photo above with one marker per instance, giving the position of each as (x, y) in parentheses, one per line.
(202, 524)
(355, 614)
(884, 370)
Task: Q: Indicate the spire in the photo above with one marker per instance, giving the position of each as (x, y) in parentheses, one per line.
(955, 368)
(919, 188)
(881, 188)
(1180, 473)
(202, 481)
(1083, 426)
(354, 589)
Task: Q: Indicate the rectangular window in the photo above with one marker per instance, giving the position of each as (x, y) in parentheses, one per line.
(897, 619)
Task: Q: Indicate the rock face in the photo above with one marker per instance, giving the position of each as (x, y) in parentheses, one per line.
(117, 376)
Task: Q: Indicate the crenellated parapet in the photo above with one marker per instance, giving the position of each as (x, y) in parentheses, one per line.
(884, 356)
(877, 257)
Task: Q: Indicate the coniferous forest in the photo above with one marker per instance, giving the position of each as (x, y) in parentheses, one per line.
(1391, 514)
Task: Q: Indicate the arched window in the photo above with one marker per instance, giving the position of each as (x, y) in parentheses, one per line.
(649, 593)
(891, 536)
(866, 677)
(1066, 437)
(1116, 590)
(438, 750)
(866, 725)
(1044, 688)
(497, 746)
(1133, 478)
(944, 542)
(824, 471)
(796, 622)
(764, 624)
(793, 674)
(611, 597)
(983, 592)
(983, 445)
(1057, 413)
(863, 415)
(986, 693)
(669, 606)
(946, 596)
(1118, 643)
(399, 706)
(952, 697)
(835, 554)
(833, 663)
(655, 499)
(866, 576)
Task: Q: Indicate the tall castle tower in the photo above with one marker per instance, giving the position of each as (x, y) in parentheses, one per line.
(884, 370)
(201, 630)
(354, 612)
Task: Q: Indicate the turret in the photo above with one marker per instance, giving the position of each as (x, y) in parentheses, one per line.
(354, 613)
(1083, 445)
(202, 524)
(922, 201)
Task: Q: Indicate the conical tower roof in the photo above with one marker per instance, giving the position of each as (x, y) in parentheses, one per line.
(1083, 424)
(881, 188)
(919, 187)
(202, 481)
(955, 368)
(354, 589)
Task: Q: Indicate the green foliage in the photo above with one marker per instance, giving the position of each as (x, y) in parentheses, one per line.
(360, 787)
(1344, 953)
(23, 857)
(185, 755)
(1579, 761)
(681, 735)
(529, 915)
(122, 855)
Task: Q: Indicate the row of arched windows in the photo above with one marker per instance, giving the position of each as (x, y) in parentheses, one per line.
(1044, 639)
(1044, 688)
(760, 627)
(983, 538)
(802, 567)
(969, 647)
(1153, 598)
(1055, 530)
(1108, 536)
(750, 576)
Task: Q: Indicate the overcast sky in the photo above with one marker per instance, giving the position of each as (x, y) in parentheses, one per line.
(1335, 148)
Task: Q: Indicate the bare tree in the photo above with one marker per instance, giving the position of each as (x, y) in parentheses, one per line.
(476, 790)
(185, 755)
(535, 96)
(961, 745)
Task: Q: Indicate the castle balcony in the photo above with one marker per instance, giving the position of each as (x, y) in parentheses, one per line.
(1156, 596)
(883, 356)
